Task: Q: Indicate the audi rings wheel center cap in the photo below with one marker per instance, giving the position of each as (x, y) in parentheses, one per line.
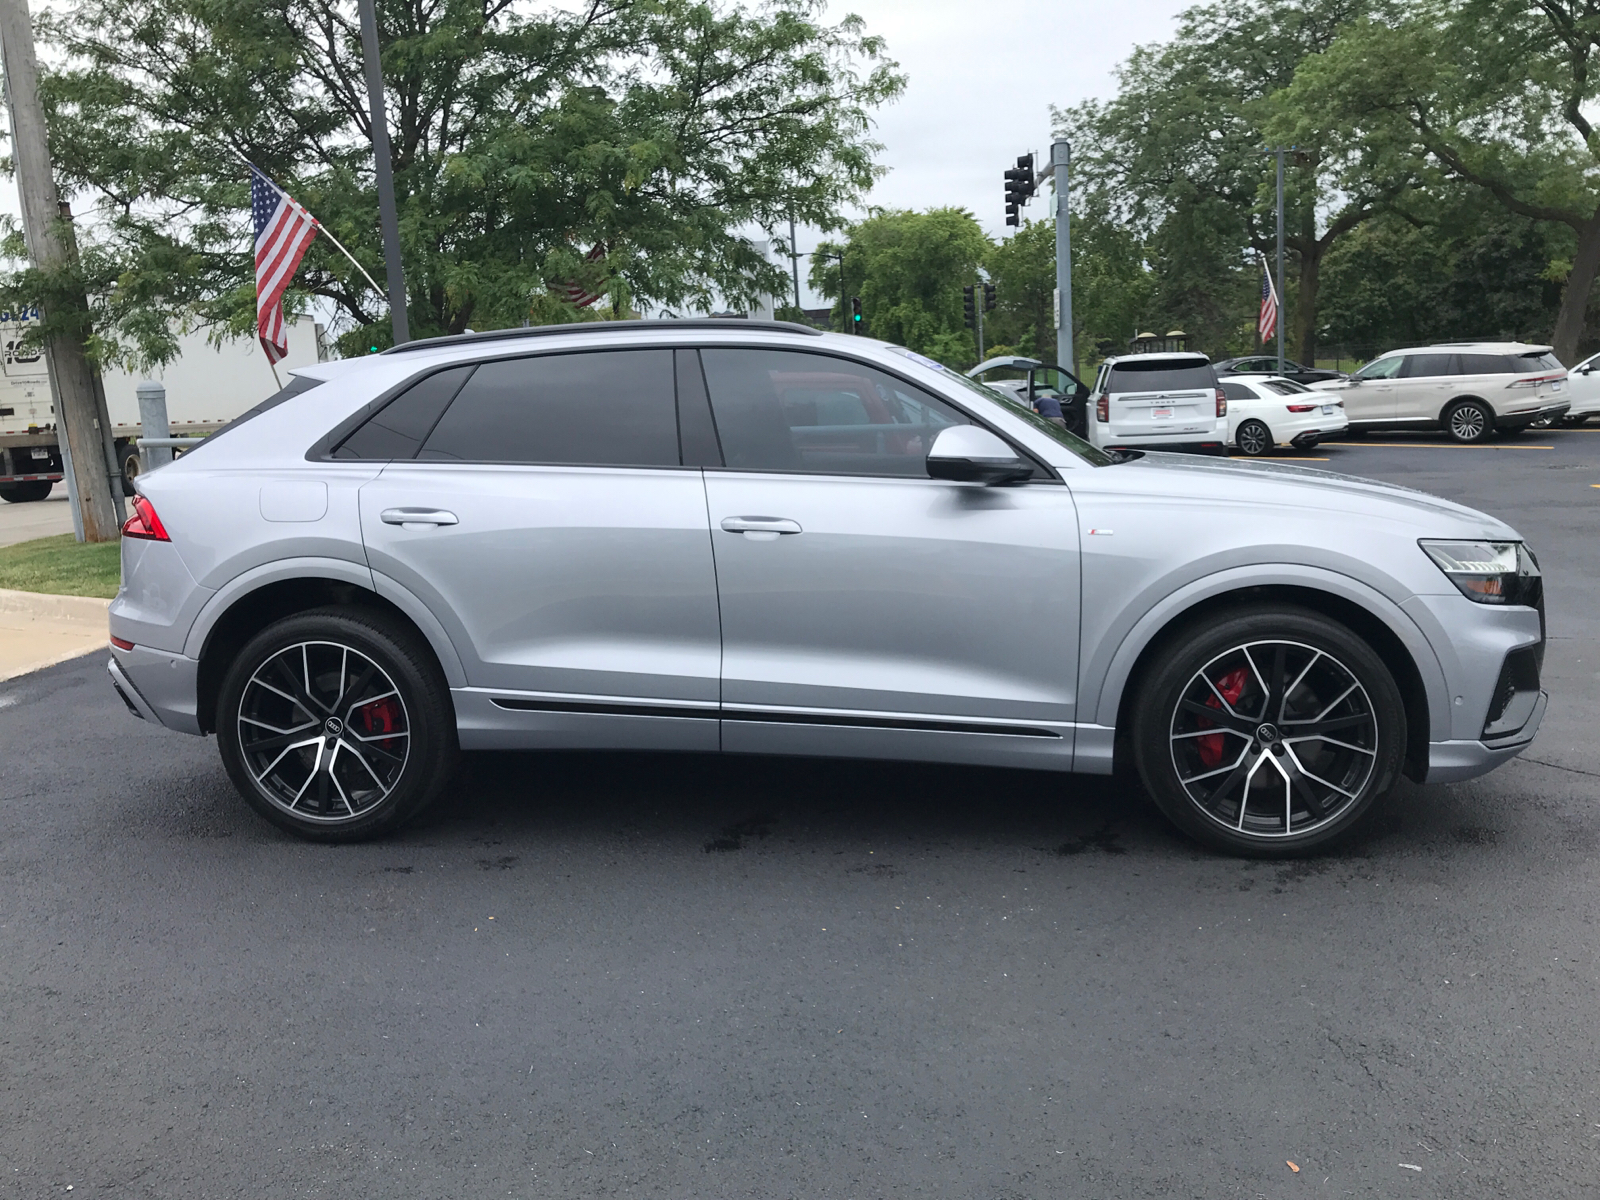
(1266, 734)
(333, 727)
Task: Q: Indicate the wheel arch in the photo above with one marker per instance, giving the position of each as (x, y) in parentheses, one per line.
(222, 632)
(1455, 400)
(1392, 635)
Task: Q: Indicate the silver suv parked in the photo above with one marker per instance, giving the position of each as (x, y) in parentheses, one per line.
(695, 536)
(1467, 389)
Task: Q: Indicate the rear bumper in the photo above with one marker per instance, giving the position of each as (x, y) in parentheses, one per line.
(1523, 419)
(1451, 762)
(1210, 446)
(159, 686)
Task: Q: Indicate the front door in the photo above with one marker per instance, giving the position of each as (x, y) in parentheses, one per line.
(549, 525)
(866, 608)
(1369, 395)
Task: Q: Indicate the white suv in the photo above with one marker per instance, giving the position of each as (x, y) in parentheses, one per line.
(1159, 402)
(1467, 389)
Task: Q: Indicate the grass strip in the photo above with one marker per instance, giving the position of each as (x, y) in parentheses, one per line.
(62, 566)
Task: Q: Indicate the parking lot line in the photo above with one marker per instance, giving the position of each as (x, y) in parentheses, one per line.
(1436, 446)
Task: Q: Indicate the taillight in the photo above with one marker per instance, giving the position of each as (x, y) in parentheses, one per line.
(1102, 408)
(1301, 407)
(1222, 403)
(1536, 380)
(144, 523)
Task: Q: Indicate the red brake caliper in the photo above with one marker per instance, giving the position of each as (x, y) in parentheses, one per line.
(1231, 686)
(383, 716)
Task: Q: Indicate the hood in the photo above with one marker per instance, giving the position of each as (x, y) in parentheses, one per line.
(1286, 484)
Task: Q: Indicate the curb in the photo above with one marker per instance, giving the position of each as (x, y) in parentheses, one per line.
(46, 606)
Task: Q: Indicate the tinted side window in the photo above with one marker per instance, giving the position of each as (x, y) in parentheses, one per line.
(602, 408)
(402, 425)
(779, 410)
(1159, 377)
(1488, 364)
(1237, 391)
(1421, 366)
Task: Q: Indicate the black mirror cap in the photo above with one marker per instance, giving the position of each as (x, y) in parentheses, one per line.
(992, 472)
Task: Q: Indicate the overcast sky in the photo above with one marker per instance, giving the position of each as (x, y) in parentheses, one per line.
(981, 80)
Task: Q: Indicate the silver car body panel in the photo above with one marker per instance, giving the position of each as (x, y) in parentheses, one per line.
(916, 618)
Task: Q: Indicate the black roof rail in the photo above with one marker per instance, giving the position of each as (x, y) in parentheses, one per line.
(501, 335)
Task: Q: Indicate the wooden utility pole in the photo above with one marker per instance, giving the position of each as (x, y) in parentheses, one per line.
(71, 378)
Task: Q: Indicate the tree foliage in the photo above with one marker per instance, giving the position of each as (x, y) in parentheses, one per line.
(523, 137)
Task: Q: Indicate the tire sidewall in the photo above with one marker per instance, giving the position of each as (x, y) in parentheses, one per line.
(1266, 442)
(1192, 649)
(430, 715)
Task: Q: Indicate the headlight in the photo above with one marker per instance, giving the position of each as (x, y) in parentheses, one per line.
(1488, 572)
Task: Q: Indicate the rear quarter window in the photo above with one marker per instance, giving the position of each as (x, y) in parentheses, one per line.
(1492, 364)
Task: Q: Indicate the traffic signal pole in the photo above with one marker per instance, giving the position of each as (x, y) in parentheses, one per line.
(1060, 156)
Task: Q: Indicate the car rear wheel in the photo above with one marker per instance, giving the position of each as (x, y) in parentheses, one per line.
(1269, 733)
(1253, 438)
(336, 724)
(1468, 421)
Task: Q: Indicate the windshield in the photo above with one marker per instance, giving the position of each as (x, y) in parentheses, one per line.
(1092, 455)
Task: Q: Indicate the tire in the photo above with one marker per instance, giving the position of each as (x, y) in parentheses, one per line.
(1254, 438)
(1318, 792)
(291, 712)
(26, 492)
(130, 467)
(1468, 421)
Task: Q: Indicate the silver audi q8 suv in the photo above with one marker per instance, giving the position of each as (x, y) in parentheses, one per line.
(709, 535)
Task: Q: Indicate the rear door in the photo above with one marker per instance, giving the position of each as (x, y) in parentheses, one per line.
(548, 524)
(1156, 401)
(1425, 385)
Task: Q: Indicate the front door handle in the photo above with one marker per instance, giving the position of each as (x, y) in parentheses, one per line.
(771, 526)
(417, 518)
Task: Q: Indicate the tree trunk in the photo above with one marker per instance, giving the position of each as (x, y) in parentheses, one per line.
(1575, 296)
(1305, 309)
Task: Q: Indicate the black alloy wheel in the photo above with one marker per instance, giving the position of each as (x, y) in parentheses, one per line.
(1468, 421)
(1269, 732)
(1254, 439)
(336, 724)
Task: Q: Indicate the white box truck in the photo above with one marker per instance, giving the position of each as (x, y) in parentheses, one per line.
(207, 386)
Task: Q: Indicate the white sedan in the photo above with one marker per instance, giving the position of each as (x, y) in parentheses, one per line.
(1265, 411)
(1583, 389)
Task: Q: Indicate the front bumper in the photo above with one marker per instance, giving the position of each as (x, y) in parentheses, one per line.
(1451, 762)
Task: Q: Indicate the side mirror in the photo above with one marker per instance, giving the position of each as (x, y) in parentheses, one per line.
(970, 454)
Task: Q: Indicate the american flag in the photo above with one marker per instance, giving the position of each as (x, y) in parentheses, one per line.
(576, 293)
(1267, 322)
(283, 231)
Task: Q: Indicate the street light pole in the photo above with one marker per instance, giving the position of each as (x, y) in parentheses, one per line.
(388, 219)
(794, 263)
(1060, 157)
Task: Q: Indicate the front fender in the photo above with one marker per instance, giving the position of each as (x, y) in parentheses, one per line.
(1108, 665)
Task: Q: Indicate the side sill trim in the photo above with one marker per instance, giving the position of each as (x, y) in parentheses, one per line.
(585, 708)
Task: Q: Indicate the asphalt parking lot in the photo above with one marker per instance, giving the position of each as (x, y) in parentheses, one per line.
(612, 975)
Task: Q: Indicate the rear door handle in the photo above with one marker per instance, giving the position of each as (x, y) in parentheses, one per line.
(417, 518)
(758, 525)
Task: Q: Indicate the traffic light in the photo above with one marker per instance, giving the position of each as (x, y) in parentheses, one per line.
(969, 305)
(1020, 186)
(855, 312)
(988, 297)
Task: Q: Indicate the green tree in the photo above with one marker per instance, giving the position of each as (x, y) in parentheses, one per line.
(523, 138)
(908, 268)
(1496, 93)
(1176, 156)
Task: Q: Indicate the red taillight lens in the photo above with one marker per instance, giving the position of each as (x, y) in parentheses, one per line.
(1301, 407)
(144, 523)
(1102, 408)
(1222, 403)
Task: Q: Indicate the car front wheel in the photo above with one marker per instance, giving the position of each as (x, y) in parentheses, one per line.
(1253, 439)
(1269, 732)
(1468, 421)
(337, 725)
